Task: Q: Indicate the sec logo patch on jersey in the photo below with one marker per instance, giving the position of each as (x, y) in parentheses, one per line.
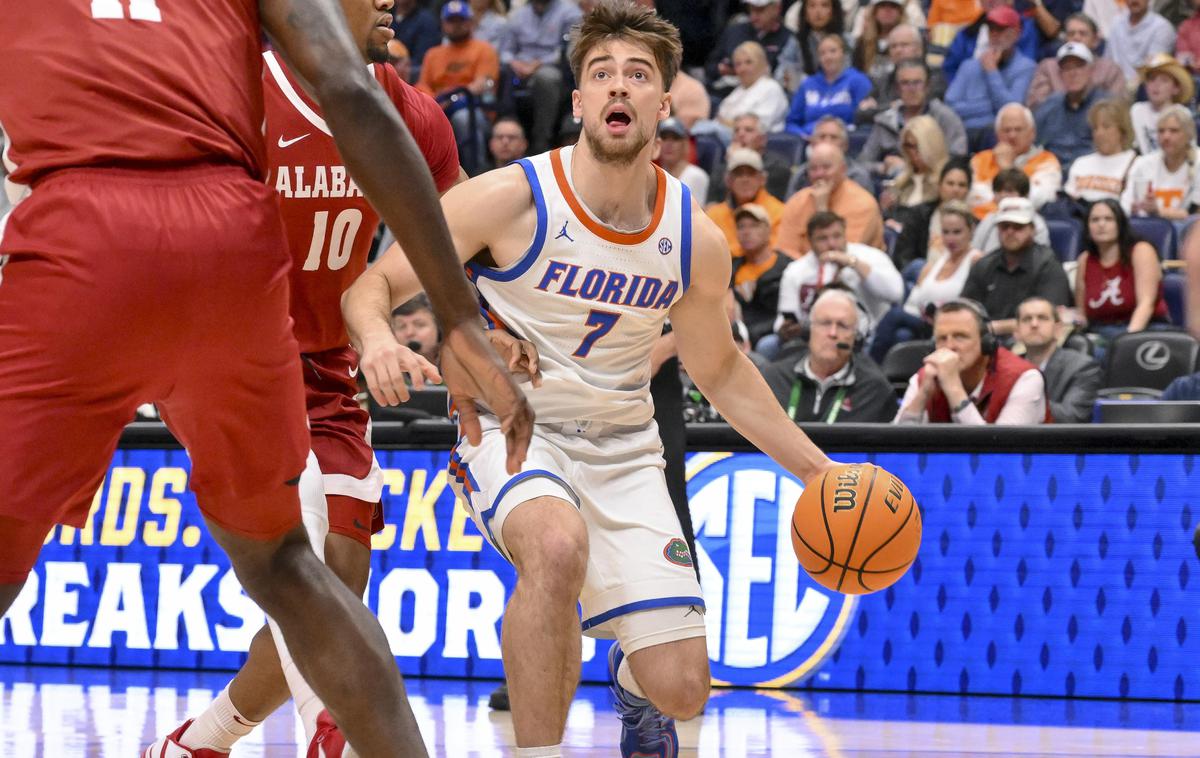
(665, 246)
(769, 625)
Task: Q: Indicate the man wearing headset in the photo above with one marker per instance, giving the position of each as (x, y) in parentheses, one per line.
(832, 381)
(970, 378)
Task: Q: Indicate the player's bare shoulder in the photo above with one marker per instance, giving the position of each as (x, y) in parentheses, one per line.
(711, 262)
(494, 210)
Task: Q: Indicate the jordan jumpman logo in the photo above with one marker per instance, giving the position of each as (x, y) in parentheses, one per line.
(563, 233)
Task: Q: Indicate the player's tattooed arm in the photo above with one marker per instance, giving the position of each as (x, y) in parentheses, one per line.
(722, 372)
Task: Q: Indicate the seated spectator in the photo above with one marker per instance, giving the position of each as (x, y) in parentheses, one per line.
(399, 59)
(748, 133)
(1016, 133)
(882, 150)
(1166, 82)
(920, 227)
(1163, 183)
(831, 131)
(1063, 119)
(993, 17)
(1018, 269)
(462, 63)
(418, 30)
(970, 379)
(532, 48)
(864, 270)
(1184, 388)
(999, 75)
(941, 280)
(1137, 35)
(1102, 174)
(1118, 284)
(507, 142)
(746, 182)
(831, 380)
(756, 91)
(817, 19)
(689, 100)
(830, 191)
(1106, 75)
(491, 19)
(758, 273)
(904, 43)
(674, 143)
(764, 27)
(1051, 16)
(1072, 378)
(835, 91)
(1187, 44)
(924, 154)
(1008, 183)
(414, 325)
(872, 25)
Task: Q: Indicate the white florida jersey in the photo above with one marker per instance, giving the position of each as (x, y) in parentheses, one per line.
(592, 300)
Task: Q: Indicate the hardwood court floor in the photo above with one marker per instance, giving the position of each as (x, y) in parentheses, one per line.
(103, 713)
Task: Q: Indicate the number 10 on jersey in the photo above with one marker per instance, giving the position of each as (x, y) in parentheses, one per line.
(340, 234)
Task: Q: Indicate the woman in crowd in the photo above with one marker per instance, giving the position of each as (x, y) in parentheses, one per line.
(923, 149)
(1118, 285)
(871, 29)
(1163, 183)
(818, 18)
(835, 91)
(1166, 82)
(1102, 174)
(490, 21)
(756, 93)
(920, 226)
(941, 279)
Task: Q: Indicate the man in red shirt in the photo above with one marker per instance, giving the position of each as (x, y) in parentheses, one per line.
(137, 171)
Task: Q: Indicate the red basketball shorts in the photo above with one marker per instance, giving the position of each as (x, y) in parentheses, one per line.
(341, 440)
(127, 287)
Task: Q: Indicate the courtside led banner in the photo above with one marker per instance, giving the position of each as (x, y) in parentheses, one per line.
(1039, 574)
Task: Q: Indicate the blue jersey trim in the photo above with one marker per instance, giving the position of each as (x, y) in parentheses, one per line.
(685, 238)
(487, 515)
(539, 235)
(641, 605)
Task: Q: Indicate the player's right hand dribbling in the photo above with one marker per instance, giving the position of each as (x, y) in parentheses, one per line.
(386, 363)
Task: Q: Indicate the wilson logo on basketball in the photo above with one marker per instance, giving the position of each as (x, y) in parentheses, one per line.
(769, 624)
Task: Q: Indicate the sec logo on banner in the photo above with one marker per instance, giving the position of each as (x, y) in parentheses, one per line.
(769, 625)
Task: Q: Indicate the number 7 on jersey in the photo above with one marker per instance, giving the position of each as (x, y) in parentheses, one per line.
(602, 322)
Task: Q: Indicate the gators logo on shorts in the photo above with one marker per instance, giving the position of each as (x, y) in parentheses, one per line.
(677, 552)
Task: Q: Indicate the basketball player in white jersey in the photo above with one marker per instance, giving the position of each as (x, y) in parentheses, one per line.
(585, 252)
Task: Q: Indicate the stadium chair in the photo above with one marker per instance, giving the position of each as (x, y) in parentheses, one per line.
(1147, 361)
(858, 140)
(788, 146)
(708, 152)
(1175, 293)
(890, 236)
(1066, 236)
(1159, 232)
(904, 360)
(1146, 412)
(1079, 342)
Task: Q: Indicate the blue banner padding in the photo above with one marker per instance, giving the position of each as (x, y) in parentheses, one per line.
(1038, 574)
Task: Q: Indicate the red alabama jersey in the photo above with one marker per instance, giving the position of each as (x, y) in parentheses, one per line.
(129, 83)
(329, 223)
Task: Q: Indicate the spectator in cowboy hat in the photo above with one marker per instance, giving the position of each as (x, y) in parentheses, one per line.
(1167, 82)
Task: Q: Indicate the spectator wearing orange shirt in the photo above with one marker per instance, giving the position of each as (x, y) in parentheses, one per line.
(458, 73)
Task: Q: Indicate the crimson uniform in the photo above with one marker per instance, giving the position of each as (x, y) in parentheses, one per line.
(145, 261)
(330, 227)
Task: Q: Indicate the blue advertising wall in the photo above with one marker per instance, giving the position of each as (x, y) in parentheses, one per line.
(1050, 574)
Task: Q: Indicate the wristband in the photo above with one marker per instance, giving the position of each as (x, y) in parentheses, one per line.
(961, 406)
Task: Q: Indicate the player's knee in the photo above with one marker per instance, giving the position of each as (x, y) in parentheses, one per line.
(276, 572)
(555, 559)
(686, 698)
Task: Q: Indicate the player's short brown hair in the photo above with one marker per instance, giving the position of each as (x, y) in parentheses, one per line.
(625, 20)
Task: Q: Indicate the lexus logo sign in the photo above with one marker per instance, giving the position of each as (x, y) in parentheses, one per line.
(1153, 355)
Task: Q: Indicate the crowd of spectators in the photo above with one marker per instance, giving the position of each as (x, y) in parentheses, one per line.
(1005, 180)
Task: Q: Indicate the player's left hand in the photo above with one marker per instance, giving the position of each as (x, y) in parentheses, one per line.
(519, 355)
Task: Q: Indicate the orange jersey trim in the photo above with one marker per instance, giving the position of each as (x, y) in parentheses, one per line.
(581, 214)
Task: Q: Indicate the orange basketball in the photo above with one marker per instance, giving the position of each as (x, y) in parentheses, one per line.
(857, 529)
